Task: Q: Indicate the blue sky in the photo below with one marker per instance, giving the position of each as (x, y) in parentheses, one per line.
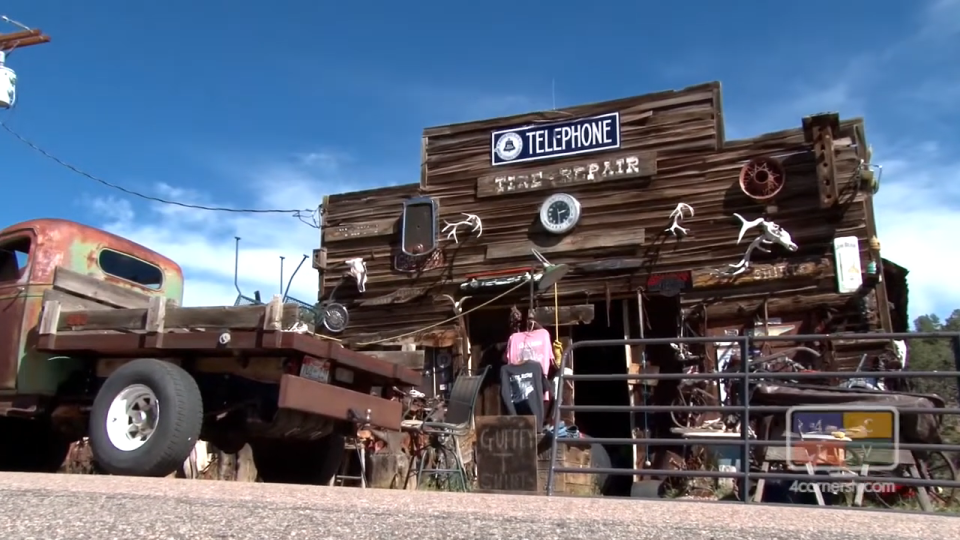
(247, 104)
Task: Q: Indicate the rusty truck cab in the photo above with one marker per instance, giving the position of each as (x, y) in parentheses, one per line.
(31, 253)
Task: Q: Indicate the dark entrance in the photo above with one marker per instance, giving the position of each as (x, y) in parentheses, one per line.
(604, 361)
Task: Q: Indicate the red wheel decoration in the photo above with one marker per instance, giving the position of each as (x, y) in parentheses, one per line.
(762, 178)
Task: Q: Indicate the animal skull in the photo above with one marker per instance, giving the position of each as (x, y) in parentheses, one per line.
(677, 216)
(358, 270)
(771, 234)
(472, 221)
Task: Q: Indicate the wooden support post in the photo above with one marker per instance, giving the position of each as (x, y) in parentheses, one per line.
(631, 388)
(820, 130)
(50, 318)
(156, 313)
(273, 317)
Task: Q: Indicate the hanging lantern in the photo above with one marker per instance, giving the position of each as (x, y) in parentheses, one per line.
(8, 84)
(874, 243)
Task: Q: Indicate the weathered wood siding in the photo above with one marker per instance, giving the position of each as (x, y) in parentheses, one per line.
(677, 139)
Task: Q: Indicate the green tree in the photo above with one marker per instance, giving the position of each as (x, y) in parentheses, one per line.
(932, 354)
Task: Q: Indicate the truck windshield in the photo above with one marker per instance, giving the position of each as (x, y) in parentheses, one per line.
(130, 268)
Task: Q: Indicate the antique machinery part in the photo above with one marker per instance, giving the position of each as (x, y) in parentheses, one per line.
(418, 226)
(293, 275)
(334, 317)
(762, 178)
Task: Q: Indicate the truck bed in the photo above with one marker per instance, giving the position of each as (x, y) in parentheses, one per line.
(80, 320)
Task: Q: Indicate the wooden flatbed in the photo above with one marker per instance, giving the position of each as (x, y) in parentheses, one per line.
(259, 342)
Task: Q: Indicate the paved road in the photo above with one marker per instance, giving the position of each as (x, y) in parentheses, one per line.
(52, 507)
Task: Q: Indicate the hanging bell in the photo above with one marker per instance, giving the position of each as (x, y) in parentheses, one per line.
(874, 243)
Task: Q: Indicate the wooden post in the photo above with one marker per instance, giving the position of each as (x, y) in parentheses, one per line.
(628, 355)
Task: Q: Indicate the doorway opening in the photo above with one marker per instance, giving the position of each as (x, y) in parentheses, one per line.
(604, 361)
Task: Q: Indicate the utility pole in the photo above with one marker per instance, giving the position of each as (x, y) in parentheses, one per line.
(8, 43)
(24, 38)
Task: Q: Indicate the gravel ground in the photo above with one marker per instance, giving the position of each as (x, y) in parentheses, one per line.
(48, 507)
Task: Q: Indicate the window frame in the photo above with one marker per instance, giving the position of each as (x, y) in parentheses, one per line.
(163, 277)
(15, 236)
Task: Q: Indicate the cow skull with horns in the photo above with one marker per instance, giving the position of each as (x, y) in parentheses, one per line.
(771, 234)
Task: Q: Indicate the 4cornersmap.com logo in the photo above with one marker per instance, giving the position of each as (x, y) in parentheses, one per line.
(830, 438)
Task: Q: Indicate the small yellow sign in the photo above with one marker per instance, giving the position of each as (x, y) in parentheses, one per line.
(868, 424)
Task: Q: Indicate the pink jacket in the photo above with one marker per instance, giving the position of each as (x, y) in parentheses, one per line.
(535, 346)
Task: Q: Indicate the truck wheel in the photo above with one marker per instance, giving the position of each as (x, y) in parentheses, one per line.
(146, 419)
(285, 461)
(31, 446)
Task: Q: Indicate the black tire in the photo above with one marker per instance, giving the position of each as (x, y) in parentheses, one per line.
(288, 461)
(178, 422)
(28, 445)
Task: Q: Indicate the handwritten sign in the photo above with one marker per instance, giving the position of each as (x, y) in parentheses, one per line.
(362, 229)
(622, 167)
(506, 453)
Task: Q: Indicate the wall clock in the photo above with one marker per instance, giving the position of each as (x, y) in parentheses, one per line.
(560, 213)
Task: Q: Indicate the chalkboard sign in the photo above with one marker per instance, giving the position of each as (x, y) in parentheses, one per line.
(506, 453)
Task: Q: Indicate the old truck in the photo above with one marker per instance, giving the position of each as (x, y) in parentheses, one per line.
(93, 342)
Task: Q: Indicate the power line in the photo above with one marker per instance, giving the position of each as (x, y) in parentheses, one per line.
(302, 215)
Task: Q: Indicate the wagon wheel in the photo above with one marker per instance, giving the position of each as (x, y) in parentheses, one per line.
(937, 466)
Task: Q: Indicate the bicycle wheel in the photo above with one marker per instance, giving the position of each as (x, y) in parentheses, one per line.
(937, 466)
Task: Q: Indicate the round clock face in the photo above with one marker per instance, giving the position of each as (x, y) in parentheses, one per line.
(559, 213)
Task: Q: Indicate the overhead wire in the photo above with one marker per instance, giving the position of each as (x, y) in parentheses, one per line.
(303, 215)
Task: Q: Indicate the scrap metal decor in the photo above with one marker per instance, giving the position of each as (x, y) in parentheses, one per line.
(497, 280)
(670, 283)
(413, 264)
(547, 141)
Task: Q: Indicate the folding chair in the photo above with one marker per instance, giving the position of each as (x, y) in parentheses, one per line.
(456, 423)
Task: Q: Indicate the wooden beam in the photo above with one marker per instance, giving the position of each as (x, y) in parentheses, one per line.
(810, 269)
(609, 265)
(126, 320)
(573, 242)
(96, 289)
(620, 167)
(409, 359)
(439, 338)
(820, 130)
(569, 315)
(399, 296)
(360, 229)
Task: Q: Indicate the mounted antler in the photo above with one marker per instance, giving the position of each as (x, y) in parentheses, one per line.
(358, 270)
(472, 221)
(677, 216)
(771, 234)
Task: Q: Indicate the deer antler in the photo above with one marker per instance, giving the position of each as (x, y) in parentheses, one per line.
(747, 225)
(677, 216)
(472, 221)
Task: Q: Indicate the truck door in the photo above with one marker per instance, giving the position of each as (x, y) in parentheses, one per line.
(15, 251)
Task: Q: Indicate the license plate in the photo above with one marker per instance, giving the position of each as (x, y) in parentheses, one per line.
(315, 370)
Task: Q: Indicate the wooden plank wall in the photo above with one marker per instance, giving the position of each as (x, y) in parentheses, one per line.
(678, 137)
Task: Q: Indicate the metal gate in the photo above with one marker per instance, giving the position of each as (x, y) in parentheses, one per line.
(743, 411)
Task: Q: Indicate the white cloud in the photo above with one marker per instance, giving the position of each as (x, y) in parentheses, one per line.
(202, 242)
(917, 213)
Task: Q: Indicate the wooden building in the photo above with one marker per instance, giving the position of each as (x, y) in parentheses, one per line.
(629, 164)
